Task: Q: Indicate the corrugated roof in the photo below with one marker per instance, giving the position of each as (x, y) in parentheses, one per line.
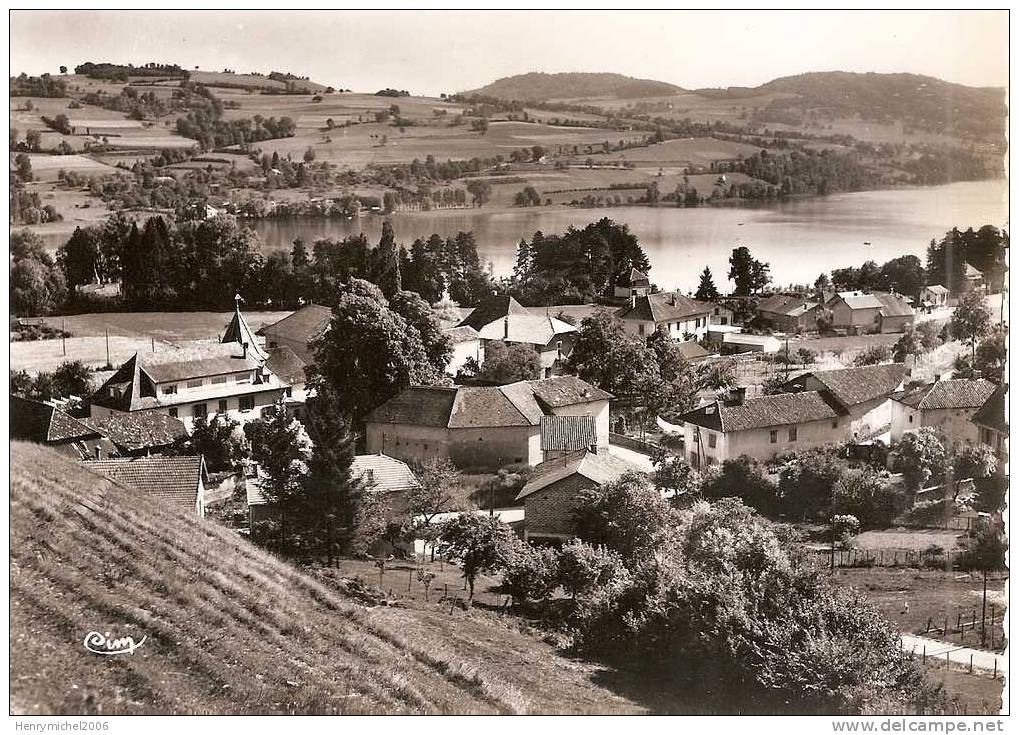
(139, 430)
(765, 411)
(386, 473)
(526, 328)
(303, 326)
(599, 468)
(173, 479)
(568, 433)
(664, 307)
(958, 393)
(492, 309)
(992, 413)
(856, 385)
(40, 422)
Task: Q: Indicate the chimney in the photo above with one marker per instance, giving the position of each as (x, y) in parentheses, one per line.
(737, 396)
(937, 377)
(672, 298)
(98, 452)
(505, 327)
(245, 346)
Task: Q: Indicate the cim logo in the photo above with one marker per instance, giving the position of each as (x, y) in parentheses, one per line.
(106, 645)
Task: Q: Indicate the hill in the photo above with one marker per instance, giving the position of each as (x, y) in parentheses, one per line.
(924, 102)
(231, 629)
(542, 87)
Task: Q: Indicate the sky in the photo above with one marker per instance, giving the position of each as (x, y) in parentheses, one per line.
(428, 52)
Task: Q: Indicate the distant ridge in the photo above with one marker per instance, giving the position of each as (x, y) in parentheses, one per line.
(542, 87)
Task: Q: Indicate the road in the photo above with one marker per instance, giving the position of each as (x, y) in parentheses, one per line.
(633, 457)
(941, 650)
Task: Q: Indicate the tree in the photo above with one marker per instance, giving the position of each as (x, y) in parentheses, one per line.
(309, 154)
(23, 167)
(21, 383)
(80, 258)
(385, 269)
(873, 355)
(675, 389)
(742, 477)
(33, 139)
(863, 494)
(973, 461)
(479, 543)
(904, 275)
(989, 360)
(531, 573)
(676, 478)
(440, 489)
(606, 355)
(706, 290)
(749, 275)
(908, 345)
(73, 378)
(506, 362)
(216, 440)
(420, 316)
(63, 69)
(37, 283)
(280, 448)
(628, 516)
(480, 191)
(581, 568)
(971, 320)
(920, 456)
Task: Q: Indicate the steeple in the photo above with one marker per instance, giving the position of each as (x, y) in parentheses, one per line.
(238, 331)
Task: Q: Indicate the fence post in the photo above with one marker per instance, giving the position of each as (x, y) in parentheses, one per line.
(944, 631)
(410, 579)
(925, 655)
(971, 663)
(995, 674)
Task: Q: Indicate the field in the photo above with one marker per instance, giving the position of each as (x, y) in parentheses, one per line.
(230, 629)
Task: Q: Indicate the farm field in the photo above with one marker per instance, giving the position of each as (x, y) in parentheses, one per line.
(690, 151)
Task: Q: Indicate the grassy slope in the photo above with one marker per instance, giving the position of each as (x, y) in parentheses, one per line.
(230, 628)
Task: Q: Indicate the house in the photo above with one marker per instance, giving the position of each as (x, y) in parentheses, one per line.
(865, 392)
(972, 280)
(739, 343)
(466, 344)
(633, 283)
(693, 352)
(176, 481)
(550, 495)
(298, 330)
(992, 428)
(43, 423)
(934, 297)
(482, 426)
(863, 313)
(386, 475)
(944, 405)
(682, 317)
(762, 427)
(721, 314)
(289, 368)
(788, 313)
(139, 434)
(510, 322)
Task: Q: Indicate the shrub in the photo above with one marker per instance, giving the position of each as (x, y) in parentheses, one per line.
(531, 573)
(741, 478)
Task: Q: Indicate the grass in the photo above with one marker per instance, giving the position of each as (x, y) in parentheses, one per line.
(231, 629)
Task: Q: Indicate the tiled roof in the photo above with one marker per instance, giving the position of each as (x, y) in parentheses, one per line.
(239, 332)
(139, 430)
(692, 351)
(173, 479)
(494, 308)
(599, 468)
(458, 335)
(938, 289)
(856, 385)
(527, 328)
(992, 413)
(960, 393)
(417, 405)
(479, 407)
(785, 305)
(567, 433)
(664, 307)
(41, 422)
(765, 411)
(566, 390)
(387, 474)
(303, 326)
(634, 276)
(286, 365)
(888, 304)
(893, 305)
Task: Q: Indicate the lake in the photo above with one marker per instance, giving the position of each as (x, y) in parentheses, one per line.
(800, 238)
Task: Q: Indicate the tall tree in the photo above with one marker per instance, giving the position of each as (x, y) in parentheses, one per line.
(386, 262)
(706, 290)
(971, 320)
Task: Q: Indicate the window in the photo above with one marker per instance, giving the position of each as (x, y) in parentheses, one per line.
(169, 390)
(773, 436)
(712, 438)
(289, 392)
(910, 418)
(199, 410)
(173, 411)
(219, 380)
(195, 383)
(792, 434)
(246, 403)
(640, 329)
(223, 405)
(244, 378)
(835, 424)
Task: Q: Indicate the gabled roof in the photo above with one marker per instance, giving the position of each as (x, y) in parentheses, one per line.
(856, 385)
(566, 390)
(459, 335)
(692, 351)
(172, 479)
(938, 289)
(888, 304)
(526, 328)
(567, 433)
(494, 308)
(766, 411)
(991, 414)
(857, 299)
(893, 305)
(663, 307)
(481, 407)
(598, 468)
(633, 277)
(958, 393)
(286, 365)
(203, 367)
(793, 306)
(42, 423)
(387, 474)
(303, 326)
(417, 405)
(971, 272)
(238, 331)
(140, 430)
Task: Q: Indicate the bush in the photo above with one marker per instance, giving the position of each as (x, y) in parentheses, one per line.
(531, 573)
(742, 478)
(873, 355)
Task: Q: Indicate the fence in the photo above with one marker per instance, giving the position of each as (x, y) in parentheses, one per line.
(635, 444)
(913, 558)
(980, 627)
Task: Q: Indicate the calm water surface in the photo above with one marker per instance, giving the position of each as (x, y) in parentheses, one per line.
(799, 238)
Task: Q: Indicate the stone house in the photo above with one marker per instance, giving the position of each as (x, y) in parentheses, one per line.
(947, 406)
(682, 317)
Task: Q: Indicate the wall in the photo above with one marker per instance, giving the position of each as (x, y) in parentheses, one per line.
(548, 513)
(895, 324)
(262, 401)
(952, 424)
(864, 319)
(495, 447)
(698, 327)
(462, 351)
(756, 443)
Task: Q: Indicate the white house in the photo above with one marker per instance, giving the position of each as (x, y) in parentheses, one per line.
(467, 345)
(683, 317)
(739, 342)
(947, 406)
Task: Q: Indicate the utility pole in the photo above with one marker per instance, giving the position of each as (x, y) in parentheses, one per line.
(63, 337)
(108, 363)
(983, 613)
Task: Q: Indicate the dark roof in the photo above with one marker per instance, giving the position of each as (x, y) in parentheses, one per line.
(494, 308)
(959, 393)
(600, 469)
(663, 307)
(991, 414)
(893, 305)
(887, 304)
(139, 430)
(567, 433)
(766, 411)
(168, 372)
(173, 479)
(238, 331)
(633, 277)
(42, 423)
(419, 405)
(286, 365)
(303, 326)
(856, 385)
(692, 351)
(786, 305)
(458, 335)
(566, 390)
(479, 407)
